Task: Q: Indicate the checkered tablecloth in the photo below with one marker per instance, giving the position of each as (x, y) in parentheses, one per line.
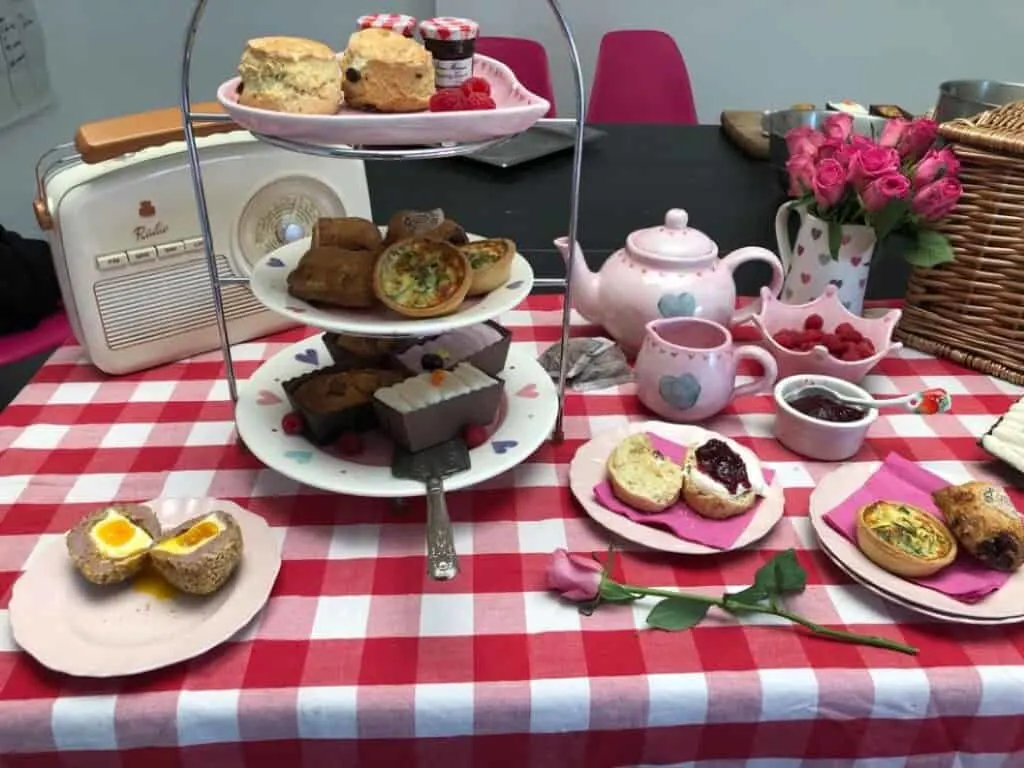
(359, 659)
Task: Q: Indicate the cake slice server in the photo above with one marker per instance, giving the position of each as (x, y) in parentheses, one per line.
(430, 466)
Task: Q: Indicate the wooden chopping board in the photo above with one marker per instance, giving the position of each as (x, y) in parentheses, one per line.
(744, 130)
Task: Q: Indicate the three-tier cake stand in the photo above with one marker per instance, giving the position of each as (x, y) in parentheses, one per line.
(536, 420)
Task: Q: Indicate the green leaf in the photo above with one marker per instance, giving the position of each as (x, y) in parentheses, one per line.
(931, 249)
(889, 218)
(612, 592)
(835, 238)
(676, 613)
(752, 595)
(782, 575)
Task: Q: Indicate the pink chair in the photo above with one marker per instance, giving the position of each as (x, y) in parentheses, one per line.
(641, 78)
(527, 58)
(51, 332)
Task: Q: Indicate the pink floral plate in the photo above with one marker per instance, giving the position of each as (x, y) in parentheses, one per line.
(517, 109)
(1004, 606)
(588, 470)
(81, 629)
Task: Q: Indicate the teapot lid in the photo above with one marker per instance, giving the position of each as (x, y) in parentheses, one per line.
(673, 240)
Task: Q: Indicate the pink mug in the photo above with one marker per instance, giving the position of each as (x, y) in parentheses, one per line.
(686, 368)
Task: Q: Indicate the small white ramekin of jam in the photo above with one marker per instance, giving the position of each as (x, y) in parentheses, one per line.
(452, 43)
(396, 22)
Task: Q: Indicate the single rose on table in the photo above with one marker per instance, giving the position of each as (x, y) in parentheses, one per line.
(900, 185)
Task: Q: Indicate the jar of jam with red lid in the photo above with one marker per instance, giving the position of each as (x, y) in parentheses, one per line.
(452, 43)
(396, 22)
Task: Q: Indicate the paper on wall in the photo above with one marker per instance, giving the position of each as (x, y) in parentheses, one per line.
(24, 78)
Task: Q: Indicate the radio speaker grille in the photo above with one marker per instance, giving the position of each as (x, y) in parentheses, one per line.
(158, 304)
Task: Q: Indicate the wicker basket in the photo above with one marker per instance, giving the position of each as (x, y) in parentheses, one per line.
(971, 310)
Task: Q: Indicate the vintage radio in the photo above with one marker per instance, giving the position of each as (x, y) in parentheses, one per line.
(123, 226)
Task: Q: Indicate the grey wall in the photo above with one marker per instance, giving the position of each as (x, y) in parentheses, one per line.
(111, 57)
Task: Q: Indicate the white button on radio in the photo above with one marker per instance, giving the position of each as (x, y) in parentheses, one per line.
(290, 232)
(112, 261)
(167, 250)
(140, 255)
(193, 243)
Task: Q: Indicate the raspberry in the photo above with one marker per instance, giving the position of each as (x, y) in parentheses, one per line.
(479, 101)
(850, 355)
(350, 444)
(786, 338)
(291, 423)
(833, 344)
(447, 100)
(847, 332)
(814, 322)
(814, 334)
(476, 85)
(473, 435)
(865, 348)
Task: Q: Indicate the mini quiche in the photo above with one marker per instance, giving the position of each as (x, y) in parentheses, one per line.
(421, 277)
(491, 261)
(903, 539)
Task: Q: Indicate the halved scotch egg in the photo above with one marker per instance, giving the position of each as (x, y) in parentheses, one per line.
(110, 545)
(199, 556)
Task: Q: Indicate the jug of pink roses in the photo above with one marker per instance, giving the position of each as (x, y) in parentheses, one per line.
(851, 192)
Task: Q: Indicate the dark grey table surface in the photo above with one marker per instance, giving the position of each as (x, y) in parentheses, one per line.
(631, 177)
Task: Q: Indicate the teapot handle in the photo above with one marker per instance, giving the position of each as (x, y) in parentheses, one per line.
(754, 253)
(785, 245)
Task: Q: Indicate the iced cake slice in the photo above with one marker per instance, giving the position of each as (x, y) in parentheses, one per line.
(1005, 439)
(433, 407)
(484, 346)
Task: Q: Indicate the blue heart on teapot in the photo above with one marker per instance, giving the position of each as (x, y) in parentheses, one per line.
(677, 305)
(681, 392)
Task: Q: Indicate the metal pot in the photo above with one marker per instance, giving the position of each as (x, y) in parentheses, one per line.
(966, 98)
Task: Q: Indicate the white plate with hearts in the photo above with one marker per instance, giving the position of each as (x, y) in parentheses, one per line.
(524, 421)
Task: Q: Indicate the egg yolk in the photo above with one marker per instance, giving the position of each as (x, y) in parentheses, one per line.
(116, 532)
(198, 533)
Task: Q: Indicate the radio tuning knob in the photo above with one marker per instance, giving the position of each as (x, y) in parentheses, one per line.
(289, 232)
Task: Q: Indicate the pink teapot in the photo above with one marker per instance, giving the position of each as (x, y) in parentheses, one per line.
(667, 271)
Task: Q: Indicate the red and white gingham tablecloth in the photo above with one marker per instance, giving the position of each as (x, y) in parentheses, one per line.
(360, 660)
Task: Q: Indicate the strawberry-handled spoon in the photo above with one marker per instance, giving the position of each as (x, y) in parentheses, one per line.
(927, 402)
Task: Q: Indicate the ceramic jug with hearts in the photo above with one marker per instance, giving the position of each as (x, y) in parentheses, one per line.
(810, 266)
(686, 369)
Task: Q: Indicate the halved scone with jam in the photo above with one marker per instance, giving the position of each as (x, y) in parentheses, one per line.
(491, 261)
(904, 539)
(421, 277)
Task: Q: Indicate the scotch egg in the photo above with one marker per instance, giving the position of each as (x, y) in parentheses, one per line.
(199, 556)
(109, 546)
(904, 540)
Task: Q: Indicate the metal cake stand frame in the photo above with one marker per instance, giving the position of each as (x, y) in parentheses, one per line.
(190, 119)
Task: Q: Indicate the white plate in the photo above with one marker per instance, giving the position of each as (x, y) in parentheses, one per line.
(81, 629)
(1003, 606)
(269, 283)
(517, 109)
(524, 422)
(588, 469)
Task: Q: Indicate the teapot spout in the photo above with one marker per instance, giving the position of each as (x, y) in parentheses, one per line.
(584, 282)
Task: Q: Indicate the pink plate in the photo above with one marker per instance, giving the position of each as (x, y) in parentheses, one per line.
(71, 626)
(1006, 605)
(517, 109)
(588, 469)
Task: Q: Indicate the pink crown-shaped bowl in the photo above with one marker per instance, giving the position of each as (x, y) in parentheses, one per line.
(776, 316)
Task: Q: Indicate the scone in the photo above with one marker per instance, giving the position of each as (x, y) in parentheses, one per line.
(641, 477)
(387, 72)
(718, 482)
(290, 74)
(985, 522)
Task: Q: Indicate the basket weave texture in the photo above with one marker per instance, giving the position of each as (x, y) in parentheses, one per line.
(971, 310)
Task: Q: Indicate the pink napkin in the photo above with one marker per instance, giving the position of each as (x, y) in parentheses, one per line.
(679, 518)
(899, 479)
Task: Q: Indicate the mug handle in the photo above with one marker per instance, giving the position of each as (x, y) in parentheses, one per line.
(765, 381)
(754, 253)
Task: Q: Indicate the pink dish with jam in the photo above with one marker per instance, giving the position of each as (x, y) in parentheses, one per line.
(817, 427)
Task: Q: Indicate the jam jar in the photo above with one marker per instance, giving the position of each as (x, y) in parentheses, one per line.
(396, 22)
(452, 43)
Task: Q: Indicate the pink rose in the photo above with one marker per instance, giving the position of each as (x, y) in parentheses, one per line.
(883, 190)
(872, 162)
(574, 577)
(918, 137)
(860, 141)
(935, 200)
(838, 126)
(892, 132)
(830, 148)
(936, 163)
(803, 140)
(829, 183)
(801, 174)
